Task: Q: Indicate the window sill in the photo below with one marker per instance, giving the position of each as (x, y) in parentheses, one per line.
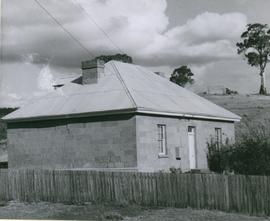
(160, 155)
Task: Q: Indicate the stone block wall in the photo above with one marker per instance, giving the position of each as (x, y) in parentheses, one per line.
(98, 143)
(177, 137)
(109, 142)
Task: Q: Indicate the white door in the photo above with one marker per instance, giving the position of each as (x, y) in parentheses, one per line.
(192, 147)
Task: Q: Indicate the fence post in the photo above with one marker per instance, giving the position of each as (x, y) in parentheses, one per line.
(227, 195)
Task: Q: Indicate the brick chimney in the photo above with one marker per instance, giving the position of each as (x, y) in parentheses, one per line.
(91, 71)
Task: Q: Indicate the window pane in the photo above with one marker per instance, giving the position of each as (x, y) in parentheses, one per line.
(191, 129)
(218, 136)
(162, 138)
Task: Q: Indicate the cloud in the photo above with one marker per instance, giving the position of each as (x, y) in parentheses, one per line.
(131, 25)
(139, 28)
(206, 38)
(210, 27)
(34, 58)
(22, 82)
(46, 79)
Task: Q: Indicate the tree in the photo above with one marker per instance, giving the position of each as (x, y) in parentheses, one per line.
(255, 46)
(182, 76)
(3, 127)
(117, 57)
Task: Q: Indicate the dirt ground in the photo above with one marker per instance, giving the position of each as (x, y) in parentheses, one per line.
(88, 211)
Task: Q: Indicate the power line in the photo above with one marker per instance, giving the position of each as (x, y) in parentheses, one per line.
(99, 27)
(57, 22)
(64, 29)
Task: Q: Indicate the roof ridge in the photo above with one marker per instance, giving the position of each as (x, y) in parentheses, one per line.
(118, 75)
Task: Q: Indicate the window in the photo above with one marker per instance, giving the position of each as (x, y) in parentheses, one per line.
(191, 129)
(218, 137)
(162, 139)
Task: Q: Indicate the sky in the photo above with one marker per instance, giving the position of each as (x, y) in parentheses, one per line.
(159, 34)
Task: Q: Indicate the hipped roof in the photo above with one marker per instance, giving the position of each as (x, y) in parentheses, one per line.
(123, 88)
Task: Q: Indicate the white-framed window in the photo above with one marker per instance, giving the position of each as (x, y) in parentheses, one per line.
(218, 136)
(162, 139)
(191, 129)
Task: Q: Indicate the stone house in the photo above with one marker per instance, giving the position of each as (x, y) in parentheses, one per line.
(116, 116)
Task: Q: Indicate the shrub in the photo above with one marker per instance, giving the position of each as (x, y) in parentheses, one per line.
(250, 154)
(218, 157)
(175, 170)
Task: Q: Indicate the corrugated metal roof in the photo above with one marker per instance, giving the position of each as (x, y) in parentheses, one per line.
(123, 87)
(64, 80)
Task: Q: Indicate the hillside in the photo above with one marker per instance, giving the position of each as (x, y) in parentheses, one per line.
(252, 108)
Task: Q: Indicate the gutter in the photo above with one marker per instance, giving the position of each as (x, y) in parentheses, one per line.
(189, 115)
(67, 116)
(123, 111)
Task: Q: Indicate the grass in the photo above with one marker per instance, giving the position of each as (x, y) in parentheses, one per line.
(252, 108)
(88, 211)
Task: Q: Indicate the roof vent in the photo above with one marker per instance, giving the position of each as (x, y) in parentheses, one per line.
(91, 71)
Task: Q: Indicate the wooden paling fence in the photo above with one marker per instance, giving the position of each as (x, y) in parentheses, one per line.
(232, 193)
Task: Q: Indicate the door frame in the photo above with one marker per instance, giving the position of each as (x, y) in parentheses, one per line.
(195, 147)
